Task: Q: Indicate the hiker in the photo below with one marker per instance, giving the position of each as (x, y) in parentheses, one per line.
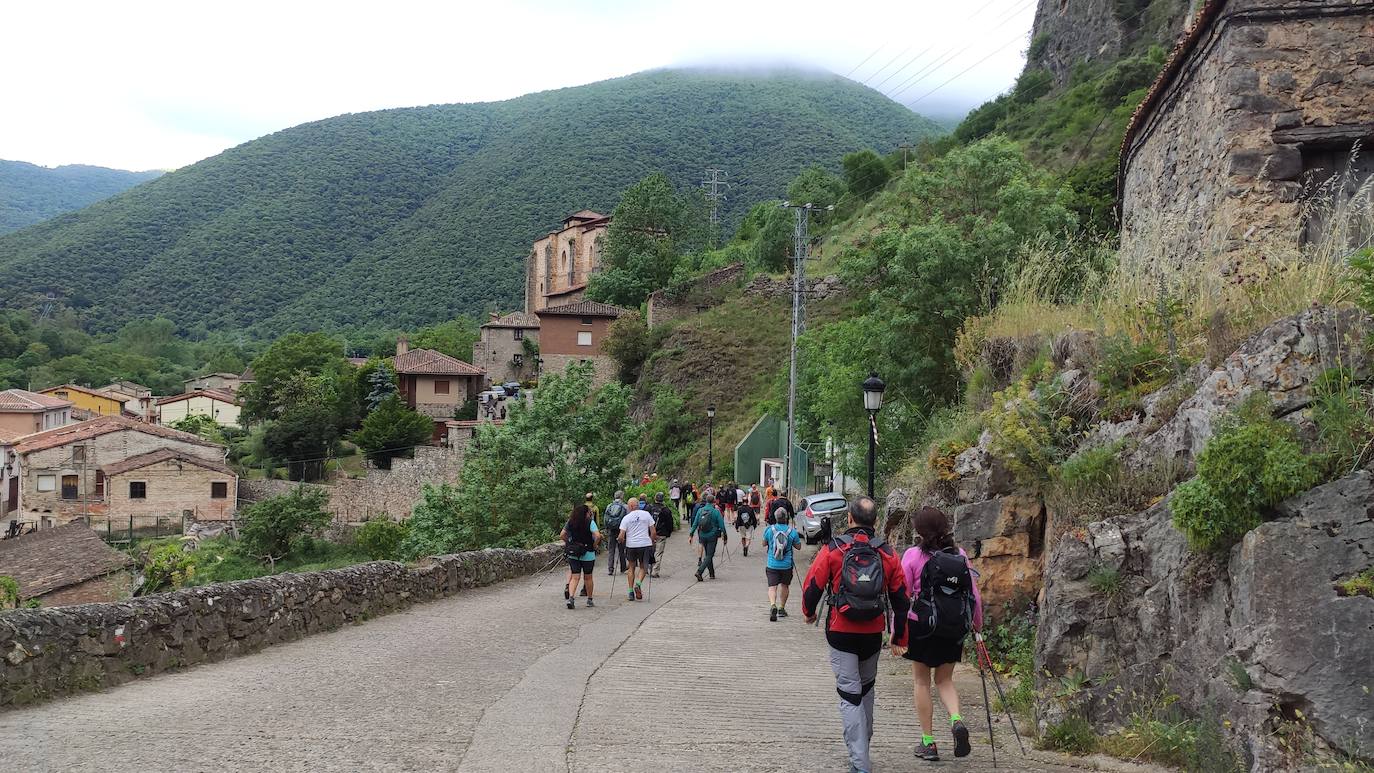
(707, 527)
(615, 511)
(745, 522)
(779, 539)
(689, 501)
(637, 543)
(592, 509)
(664, 520)
(779, 499)
(580, 538)
(725, 498)
(945, 606)
(675, 496)
(856, 572)
(755, 499)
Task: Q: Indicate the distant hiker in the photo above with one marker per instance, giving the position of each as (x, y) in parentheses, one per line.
(945, 606)
(755, 499)
(689, 501)
(779, 540)
(615, 511)
(665, 518)
(770, 491)
(861, 578)
(725, 500)
(580, 538)
(675, 496)
(707, 527)
(779, 500)
(637, 539)
(745, 521)
(592, 509)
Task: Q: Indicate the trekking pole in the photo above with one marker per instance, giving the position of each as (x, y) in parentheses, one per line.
(983, 653)
(987, 710)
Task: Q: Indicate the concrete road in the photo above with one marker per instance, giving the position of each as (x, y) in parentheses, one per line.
(506, 679)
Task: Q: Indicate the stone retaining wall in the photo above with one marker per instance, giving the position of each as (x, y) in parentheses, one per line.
(45, 653)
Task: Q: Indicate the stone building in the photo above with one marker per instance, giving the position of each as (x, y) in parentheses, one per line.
(507, 347)
(169, 482)
(574, 332)
(560, 263)
(1260, 103)
(66, 565)
(435, 384)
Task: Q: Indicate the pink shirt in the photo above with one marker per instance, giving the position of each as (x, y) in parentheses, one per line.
(914, 560)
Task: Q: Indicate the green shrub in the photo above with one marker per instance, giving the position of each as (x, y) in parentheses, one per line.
(273, 528)
(1107, 581)
(1344, 415)
(1252, 463)
(1126, 366)
(9, 592)
(1029, 433)
(1091, 467)
(1159, 732)
(1011, 645)
(1361, 584)
(167, 567)
(1073, 735)
(379, 539)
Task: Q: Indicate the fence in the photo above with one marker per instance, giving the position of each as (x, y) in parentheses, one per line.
(123, 529)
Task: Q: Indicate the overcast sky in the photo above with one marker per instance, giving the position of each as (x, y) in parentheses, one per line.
(139, 84)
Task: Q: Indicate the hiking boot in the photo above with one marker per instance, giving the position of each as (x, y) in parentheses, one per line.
(699, 577)
(746, 550)
(591, 602)
(572, 603)
(639, 593)
(773, 615)
(782, 612)
(927, 752)
(961, 744)
(630, 595)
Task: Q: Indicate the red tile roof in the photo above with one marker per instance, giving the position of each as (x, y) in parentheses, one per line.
(24, 401)
(427, 362)
(583, 309)
(213, 394)
(514, 319)
(161, 455)
(49, 559)
(104, 425)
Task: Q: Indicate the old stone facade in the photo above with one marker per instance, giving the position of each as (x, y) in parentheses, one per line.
(46, 653)
(560, 263)
(706, 292)
(507, 347)
(171, 484)
(1261, 99)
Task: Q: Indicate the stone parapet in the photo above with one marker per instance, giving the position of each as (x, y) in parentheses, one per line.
(46, 653)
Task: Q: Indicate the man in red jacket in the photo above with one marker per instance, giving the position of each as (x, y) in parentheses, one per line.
(862, 587)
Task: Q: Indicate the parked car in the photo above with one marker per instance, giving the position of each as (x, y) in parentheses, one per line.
(511, 388)
(817, 513)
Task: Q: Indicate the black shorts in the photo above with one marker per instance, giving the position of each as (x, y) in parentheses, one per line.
(644, 556)
(578, 566)
(935, 652)
(778, 576)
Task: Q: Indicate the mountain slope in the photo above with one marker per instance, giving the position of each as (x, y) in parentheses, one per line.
(403, 217)
(30, 193)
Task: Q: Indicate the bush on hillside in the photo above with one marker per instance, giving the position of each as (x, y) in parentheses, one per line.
(271, 529)
(380, 538)
(629, 342)
(392, 431)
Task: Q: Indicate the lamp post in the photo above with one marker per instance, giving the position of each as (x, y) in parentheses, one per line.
(873, 402)
(710, 440)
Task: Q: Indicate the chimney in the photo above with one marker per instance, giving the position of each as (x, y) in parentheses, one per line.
(402, 345)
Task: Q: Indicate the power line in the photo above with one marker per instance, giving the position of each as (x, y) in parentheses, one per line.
(901, 54)
(865, 61)
(948, 57)
(945, 57)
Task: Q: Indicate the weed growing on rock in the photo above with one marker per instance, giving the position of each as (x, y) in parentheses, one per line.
(1030, 432)
(9, 592)
(1344, 413)
(1106, 581)
(1361, 584)
(1093, 485)
(1239, 677)
(1073, 734)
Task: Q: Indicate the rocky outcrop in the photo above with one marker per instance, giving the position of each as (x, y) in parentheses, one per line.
(45, 653)
(1258, 638)
(1004, 538)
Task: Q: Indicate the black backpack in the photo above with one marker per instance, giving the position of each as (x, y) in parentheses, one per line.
(861, 588)
(944, 604)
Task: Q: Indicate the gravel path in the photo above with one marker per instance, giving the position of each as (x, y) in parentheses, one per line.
(506, 679)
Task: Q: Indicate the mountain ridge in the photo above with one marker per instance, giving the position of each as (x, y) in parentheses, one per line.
(31, 193)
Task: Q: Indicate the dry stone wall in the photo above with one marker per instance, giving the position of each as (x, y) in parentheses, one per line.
(393, 492)
(45, 653)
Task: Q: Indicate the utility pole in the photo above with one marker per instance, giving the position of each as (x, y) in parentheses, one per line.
(799, 250)
(904, 147)
(715, 185)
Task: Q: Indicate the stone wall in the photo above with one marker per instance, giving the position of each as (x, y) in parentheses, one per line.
(764, 286)
(1217, 165)
(45, 653)
(705, 292)
(393, 492)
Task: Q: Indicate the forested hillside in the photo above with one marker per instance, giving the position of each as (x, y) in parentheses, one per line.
(30, 193)
(408, 216)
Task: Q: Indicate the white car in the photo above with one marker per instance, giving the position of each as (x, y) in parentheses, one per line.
(815, 509)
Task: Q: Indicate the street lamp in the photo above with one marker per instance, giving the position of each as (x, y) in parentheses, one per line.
(873, 402)
(710, 439)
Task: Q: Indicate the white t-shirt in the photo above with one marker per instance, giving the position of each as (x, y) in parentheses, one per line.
(636, 527)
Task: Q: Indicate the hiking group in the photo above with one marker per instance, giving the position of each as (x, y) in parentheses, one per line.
(922, 604)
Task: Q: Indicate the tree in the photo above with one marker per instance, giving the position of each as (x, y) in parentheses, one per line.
(201, 425)
(392, 430)
(303, 439)
(381, 383)
(865, 173)
(651, 228)
(769, 227)
(272, 529)
(521, 478)
(629, 343)
(454, 338)
(281, 368)
(815, 186)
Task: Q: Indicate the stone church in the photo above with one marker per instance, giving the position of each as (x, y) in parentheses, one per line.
(560, 263)
(1256, 115)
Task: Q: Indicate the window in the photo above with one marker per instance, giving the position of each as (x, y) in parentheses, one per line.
(99, 484)
(219, 490)
(517, 360)
(587, 320)
(47, 482)
(584, 338)
(519, 333)
(79, 454)
(138, 489)
(70, 487)
(440, 387)
(1332, 174)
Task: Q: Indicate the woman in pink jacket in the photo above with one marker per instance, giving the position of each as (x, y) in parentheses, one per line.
(940, 618)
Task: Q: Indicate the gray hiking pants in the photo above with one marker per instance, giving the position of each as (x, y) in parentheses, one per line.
(854, 680)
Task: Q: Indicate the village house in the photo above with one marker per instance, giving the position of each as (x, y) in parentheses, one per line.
(224, 382)
(1260, 104)
(66, 565)
(508, 347)
(87, 402)
(138, 399)
(434, 383)
(575, 332)
(219, 405)
(560, 263)
(23, 412)
(63, 473)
